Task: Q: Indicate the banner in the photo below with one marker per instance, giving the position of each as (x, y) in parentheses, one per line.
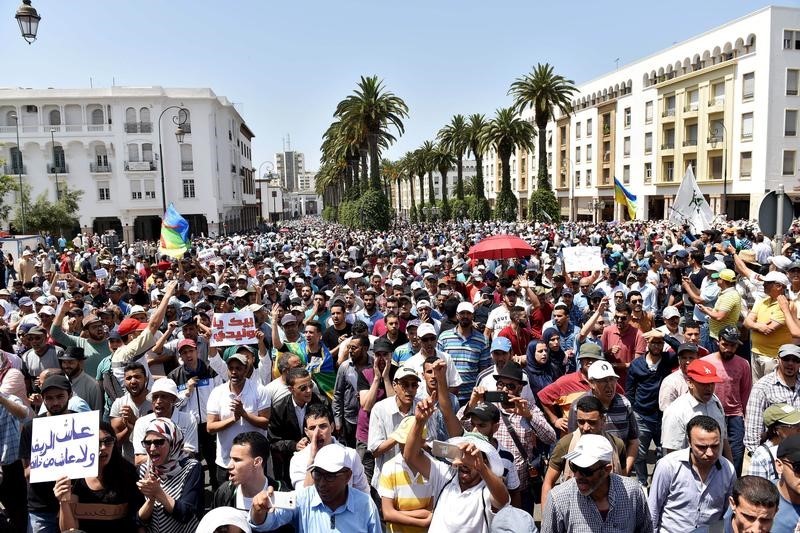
(690, 206)
(65, 445)
(583, 259)
(174, 240)
(206, 254)
(625, 197)
(229, 329)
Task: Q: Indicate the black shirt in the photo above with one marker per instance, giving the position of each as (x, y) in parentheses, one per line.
(331, 335)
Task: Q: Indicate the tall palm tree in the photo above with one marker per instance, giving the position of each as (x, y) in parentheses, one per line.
(376, 110)
(420, 166)
(442, 160)
(543, 90)
(391, 174)
(341, 141)
(407, 169)
(454, 138)
(428, 149)
(505, 133)
(476, 124)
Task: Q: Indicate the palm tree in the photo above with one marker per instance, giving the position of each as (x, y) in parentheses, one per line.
(341, 141)
(391, 174)
(419, 167)
(375, 110)
(505, 133)
(543, 90)
(453, 137)
(475, 127)
(427, 149)
(407, 168)
(442, 159)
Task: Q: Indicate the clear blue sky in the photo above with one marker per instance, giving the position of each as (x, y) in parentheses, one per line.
(287, 64)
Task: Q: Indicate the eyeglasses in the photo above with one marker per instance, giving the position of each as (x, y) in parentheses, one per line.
(408, 384)
(109, 441)
(318, 475)
(619, 296)
(585, 472)
(155, 442)
(637, 301)
(507, 385)
(620, 318)
(302, 388)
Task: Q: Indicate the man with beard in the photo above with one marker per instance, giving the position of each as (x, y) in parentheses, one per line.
(468, 349)
(318, 427)
(691, 485)
(734, 389)
(374, 383)
(622, 343)
(339, 329)
(169, 348)
(83, 385)
(126, 410)
(519, 333)
(610, 286)
(428, 348)
(164, 397)
(135, 295)
(40, 356)
(500, 317)
(370, 314)
(584, 503)
(393, 335)
(42, 504)
(345, 391)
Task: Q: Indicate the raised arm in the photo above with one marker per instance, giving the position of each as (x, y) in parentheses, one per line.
(412, 452)
(158, 317)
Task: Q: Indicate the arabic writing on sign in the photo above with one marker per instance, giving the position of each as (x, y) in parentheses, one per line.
(206, 254)
(65, 445)
(229, 329)
(583, 259)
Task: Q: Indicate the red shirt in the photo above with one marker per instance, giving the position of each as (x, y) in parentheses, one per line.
(519, 343)
(539, 316)
(565, 390)
(631, 345)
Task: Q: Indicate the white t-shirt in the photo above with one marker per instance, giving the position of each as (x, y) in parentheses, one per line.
(466, 512)
(499, 318)
(254, 399)
(417, 361)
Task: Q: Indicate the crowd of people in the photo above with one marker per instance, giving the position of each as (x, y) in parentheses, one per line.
(394, 383)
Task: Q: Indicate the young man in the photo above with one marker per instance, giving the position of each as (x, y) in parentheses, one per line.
(675, 384)
(246, 472)
(345, 392)
(622, 343)
(428, 340)
(468, 349)
(127, 409)
(95, 344)
(788, 455)
(83, 386)
(753, 506)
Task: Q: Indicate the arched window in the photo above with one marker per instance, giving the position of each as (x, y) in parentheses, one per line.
(59, 161)
(16, 160)
(186, 157)
(101, 155)
(97, 116)
(55, 117)
(144, 114)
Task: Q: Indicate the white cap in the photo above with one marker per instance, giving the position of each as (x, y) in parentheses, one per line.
(331, 458)
(671, 311)
(163, 385)
(423, 303)
(781, 262)
(773, 277)
(425, 329)
(136, 309)
(601, 370)
(591, 449)
(254, 307)
(41, 300)
(415, 285)
(47, 310)
(223, 516)
(716, 266)
(465, 307)
(405, 372)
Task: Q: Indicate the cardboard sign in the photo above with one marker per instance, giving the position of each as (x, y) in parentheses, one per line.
(206, 254)
(101, 273)
(65, 445)
(228, 329)
(583, 259)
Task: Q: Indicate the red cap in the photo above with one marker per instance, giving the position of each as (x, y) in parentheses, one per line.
(186, 342)
(702, 372)
(129, 325)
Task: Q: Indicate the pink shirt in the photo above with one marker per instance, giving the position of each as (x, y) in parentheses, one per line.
(737, 380)
(631, 345)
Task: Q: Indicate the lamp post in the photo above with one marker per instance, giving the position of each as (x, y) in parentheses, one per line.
(19, 173)
(724, 163)
(28, 20)
(55, 166)
(567, 171)
(179, 120)
(597, 206)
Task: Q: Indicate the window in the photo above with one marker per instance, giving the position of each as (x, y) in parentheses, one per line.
(186, 157)
(577, 178)
(578, 154)
(746, 164)
(136, 190)
(648, 172)
(589, 178)
(788, 162)
(16, 160)
(133, 152)
(577, 130)
(791, 39)
(588, 127)
(606, 151)
(669, 170)
(563, 135)
(691, 135)
(147, 152)
(790, 123)
(792, 79)
(693, 162)
(718, 91)
(648, 143)
(715, 131)
(150, 189)
(692, 98)
(748, 85)
(588, 153)
(103, 190)
(626, 174)
(715, 166)
(648, 112)
(627, 117)
(747, 126)
(669, 106)
(669, 139)
(626, 147)
(188, 188)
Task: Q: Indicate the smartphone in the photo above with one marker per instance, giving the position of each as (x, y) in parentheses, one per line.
(283, 500)
(446, 450)
(62, 285)
(495, 396)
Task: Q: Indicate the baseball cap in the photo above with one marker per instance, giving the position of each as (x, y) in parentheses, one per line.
(37, 330)
(776, 277)
(236, 356)
(687, 347)
(72, 353)
(727, 274)
(129, 325)
(671, 312)
(425, 329)
(601, 370)
(781, 262)
(47, 310)
(57, 381)
(702, 372)
(783, 413)
(405, 372)
(590, 350)
(483, 444)
(186, 342)
(789, 449)
(25, 301)
(501, 343)
(713, 266)
(730, 334)
(590, 450)
(413, 324)
(485, 411)
(423, 303)
(331, 458)
(288, 318)
(136, 310)
(382, 345)
(786, 350)
(217, 518)
(90, 319)
(465, 307)
(164, 385)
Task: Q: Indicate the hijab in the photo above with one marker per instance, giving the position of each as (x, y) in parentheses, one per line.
(557, 357)
(166, 428)
(539, 374)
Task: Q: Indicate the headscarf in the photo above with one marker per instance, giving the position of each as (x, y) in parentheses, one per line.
(539, 374)
(557, 357)
(166, 428)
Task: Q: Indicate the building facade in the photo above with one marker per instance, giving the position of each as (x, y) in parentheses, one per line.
(403, 188)
(105, 142)
(290, 166)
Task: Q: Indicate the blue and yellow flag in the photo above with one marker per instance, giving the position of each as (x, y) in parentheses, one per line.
(623, 196)
(174, 240)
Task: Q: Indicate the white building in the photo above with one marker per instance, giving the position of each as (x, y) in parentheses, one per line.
(468, 175)
(725, 101)
(107, 145)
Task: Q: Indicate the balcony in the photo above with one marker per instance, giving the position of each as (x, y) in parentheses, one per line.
(138, 127)
(139, 166)
(187, 165)
(716, 102)
(688, 108)
(99, 169)
(606, 131)
(668, 114)
(57, 169)
(690, 143)
(714, 139)
(668, 146)
(13, 170)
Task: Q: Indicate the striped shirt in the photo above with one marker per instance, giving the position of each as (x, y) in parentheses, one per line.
(620, 419)
(470, 355)
(184, 486)
(407, 490)
(769, 390)
(730, 302)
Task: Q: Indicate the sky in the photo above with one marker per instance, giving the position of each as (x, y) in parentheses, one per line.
(286, 64)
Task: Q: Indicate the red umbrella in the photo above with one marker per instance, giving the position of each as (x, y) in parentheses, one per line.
(500, 247)
(284, 230)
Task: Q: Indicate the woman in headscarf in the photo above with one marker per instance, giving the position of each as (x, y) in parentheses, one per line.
(539, 368)
(113, 491)
(558, 358)
(171, 482)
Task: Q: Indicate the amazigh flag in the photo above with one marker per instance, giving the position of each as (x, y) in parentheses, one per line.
(174, 234)
(623, 196)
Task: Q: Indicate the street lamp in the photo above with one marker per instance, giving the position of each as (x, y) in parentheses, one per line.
(566, 170)
(179, 120)
(19, 172)
(55, 166)
(28, 20)
(721, 124)
(597, 207)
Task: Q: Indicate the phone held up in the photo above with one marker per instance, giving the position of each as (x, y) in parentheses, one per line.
(446, 450)
(495, 396)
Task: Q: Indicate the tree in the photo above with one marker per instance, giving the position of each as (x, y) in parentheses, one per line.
(407, 169)
(442, 160)
(419, 166)
(454, 138)
(506, 132)
(476, 124)
(427, 150)
(391, 174)
(8, 184)
(44, 215)
(543, 90)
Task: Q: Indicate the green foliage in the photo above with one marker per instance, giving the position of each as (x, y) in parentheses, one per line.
(544, 206)
(371, 211)
(329, 214)
(458, 208)
(8, 184)
(44, 215)
(348, 213)
(446, 212)
(480, 210)
(506, 206)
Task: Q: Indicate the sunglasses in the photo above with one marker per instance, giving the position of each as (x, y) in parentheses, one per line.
(620, 318)
(585, 472)
(108, 441)
(508, 385)
(318, 475)
(155, 442)
(302, 388)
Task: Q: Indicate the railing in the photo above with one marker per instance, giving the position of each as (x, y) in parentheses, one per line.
(57, 169)
(668, 112)
(668, 146)
(139, 166)
(713, 139)
(145, 127)
(690, 142)
(138, 127)
(13, 170)
(716, 101)
(690, 107)
(187, 165)
(93, 167)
